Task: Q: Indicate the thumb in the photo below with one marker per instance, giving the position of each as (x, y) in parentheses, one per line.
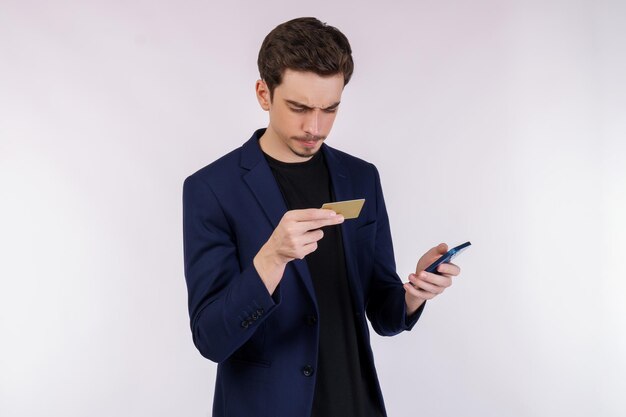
(441, 248)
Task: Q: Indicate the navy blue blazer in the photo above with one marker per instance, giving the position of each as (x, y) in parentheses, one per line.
(266, 345)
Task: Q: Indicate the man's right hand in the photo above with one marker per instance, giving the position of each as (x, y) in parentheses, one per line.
(295, 237)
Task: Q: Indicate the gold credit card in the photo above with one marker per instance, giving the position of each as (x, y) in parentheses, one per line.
(349, 209)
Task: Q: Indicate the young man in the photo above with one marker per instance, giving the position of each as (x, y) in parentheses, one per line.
(279, 289)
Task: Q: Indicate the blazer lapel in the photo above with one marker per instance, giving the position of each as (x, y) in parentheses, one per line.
(343, 190)
(267, 192)
(264, 187)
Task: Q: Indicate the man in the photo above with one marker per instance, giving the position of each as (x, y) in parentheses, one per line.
(278, 288)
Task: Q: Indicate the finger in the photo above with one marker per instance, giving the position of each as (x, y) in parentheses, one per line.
(435, 252)
(448, 269)
(318, 224)
(306, 249)
(312, 236)
(425, 286)
(310, 214)
(441, 248)
(439, 280)
(415, 292)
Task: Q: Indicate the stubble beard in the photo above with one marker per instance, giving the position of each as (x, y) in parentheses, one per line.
(308, 152)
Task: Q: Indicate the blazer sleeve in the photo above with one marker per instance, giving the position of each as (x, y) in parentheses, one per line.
(386, 307)
(227, 301)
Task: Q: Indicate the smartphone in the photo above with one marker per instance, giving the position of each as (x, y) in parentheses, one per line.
(447, 257)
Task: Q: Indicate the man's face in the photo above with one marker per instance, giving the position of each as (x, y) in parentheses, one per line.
(302, 113)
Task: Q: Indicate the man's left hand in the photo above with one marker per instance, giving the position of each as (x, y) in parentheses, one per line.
(424, 285)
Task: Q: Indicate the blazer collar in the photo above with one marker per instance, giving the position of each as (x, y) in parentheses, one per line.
(262, 183)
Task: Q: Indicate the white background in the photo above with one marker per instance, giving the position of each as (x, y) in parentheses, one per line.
(499, 122)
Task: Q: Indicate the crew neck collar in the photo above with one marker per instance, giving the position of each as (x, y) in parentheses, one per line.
(314, 159)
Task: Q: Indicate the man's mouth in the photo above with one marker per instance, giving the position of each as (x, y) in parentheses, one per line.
(309, 143)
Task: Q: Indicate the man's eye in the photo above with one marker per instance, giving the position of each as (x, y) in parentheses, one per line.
(298, 110)
(330, 110)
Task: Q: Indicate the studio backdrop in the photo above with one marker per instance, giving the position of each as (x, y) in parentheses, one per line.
(498, 122)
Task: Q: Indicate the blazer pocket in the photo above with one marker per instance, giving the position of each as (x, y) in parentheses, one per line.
(367, 232)
(246, 384)
(251, 362)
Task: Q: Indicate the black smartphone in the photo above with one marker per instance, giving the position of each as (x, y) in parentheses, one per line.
(447, 257)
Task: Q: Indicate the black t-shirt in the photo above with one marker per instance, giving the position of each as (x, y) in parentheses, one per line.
(343, 388)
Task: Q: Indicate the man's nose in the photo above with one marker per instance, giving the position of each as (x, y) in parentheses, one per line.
(312, 122)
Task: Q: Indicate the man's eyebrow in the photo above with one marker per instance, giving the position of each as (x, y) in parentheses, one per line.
(304, 106)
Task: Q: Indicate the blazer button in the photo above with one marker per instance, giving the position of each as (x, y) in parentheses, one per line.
(307, 370)
(311, 320)
(245, 324)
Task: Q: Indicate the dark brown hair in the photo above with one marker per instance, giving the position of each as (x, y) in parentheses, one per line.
(304, 44)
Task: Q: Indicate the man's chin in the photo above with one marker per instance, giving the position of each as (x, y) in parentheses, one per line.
(307, 153)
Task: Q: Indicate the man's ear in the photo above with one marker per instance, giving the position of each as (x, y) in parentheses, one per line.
(263, 94)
